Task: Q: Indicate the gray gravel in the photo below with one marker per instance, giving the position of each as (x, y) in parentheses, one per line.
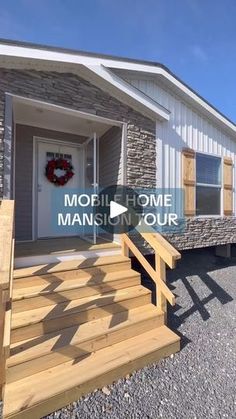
(199, 381)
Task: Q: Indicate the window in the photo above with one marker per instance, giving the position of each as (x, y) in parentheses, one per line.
(208, 186)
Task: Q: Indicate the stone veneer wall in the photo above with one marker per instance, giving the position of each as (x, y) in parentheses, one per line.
(198, 233)
(74, 92)
(71, 91)
(204, 232)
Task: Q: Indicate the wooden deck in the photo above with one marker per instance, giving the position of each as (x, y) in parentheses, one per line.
(56, 250)
(77, 324)
(61, 245)
(76, 327)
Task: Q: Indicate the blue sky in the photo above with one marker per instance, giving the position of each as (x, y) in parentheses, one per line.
(196, 39)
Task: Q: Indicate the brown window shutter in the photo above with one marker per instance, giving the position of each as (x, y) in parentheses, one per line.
(228, 185)
(189, 181)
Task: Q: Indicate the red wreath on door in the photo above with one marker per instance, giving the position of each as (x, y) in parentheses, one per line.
(62, 164)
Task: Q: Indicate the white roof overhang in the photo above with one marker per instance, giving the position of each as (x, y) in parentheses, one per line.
(98, 69)
(94, 71)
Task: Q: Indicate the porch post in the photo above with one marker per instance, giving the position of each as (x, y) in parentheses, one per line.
(124, 154)
(8, 144)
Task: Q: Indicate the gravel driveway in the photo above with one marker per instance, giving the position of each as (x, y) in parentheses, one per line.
(199, 381)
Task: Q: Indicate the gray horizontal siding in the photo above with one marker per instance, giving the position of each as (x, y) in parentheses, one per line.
(110, 158)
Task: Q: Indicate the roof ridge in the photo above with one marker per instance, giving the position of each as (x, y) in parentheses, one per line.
(27, 44)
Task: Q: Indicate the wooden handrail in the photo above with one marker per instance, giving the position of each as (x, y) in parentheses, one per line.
(6, 276)
(162, 247)
(165, 253)
(153, 274)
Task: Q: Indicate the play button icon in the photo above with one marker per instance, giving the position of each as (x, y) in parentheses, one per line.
(116, 209)
(119, 209)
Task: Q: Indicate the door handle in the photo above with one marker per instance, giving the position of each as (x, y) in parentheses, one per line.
(39, 188)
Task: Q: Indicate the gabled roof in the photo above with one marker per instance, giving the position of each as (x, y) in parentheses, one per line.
(102, 70)
(77, 52)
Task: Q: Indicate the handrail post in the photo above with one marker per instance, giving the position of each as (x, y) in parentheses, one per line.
(4, 295)
(160, 298)
(6, 278)
(124, 247)
(148, 268)
(2, 364)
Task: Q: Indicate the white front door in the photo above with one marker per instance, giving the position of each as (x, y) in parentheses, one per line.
(47, 151)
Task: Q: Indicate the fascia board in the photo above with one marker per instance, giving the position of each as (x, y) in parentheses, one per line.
(135, 97)
(48, 55)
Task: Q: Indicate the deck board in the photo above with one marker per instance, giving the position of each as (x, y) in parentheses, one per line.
(69, 265)
(46, 391)
(57, 246)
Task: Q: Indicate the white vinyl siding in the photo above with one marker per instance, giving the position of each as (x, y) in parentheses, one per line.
(186, 128)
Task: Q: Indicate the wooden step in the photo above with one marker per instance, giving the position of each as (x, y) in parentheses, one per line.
(37, 395)
(59, 281)
(55, 290)
(36, 322)
(37, 354)
(115, 263)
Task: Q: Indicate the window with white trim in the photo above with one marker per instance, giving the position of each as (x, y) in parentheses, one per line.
(208, 185)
